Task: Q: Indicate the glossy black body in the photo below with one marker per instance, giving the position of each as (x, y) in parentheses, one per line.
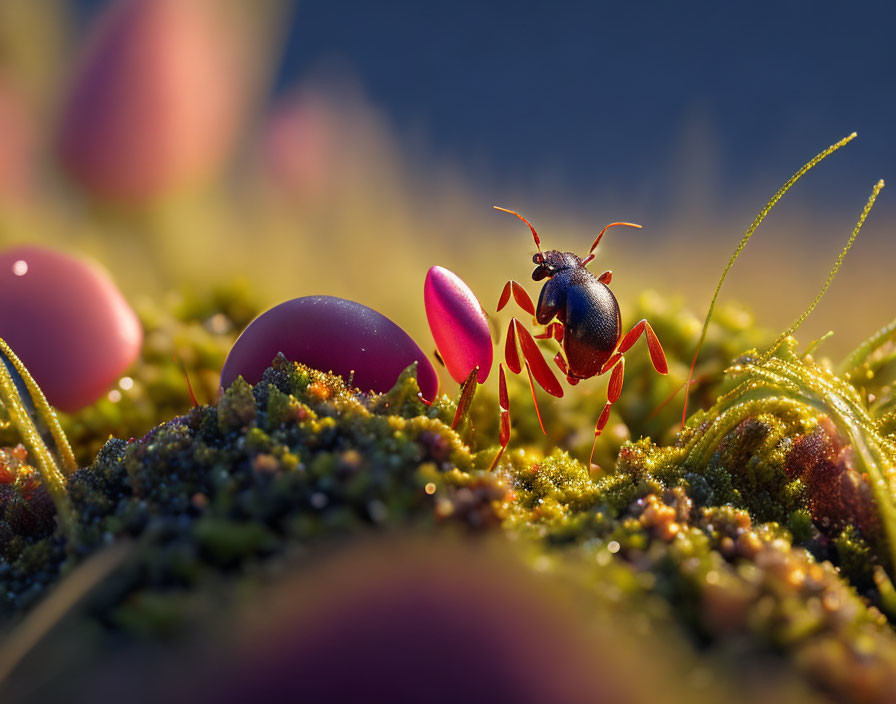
(584, 305)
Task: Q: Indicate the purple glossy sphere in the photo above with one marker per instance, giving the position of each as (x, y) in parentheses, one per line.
(330, 334)
(68, 323)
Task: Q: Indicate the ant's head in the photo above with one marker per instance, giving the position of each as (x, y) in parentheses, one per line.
(551, 262)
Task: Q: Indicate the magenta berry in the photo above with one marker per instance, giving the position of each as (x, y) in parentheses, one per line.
(458, 323)
(330, 334)
(68, 323)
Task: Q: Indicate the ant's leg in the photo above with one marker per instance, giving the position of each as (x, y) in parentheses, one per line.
(511, 349)
(560, 361)
(504, 403)
(553, 330)
(613, 392)
(657, 356)
(598, 429)
(536, 368)
(606, 277)
(534, 359)
(614, 389)
(519, 295)
(535, 363)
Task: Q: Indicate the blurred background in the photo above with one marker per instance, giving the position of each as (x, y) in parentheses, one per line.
(343, 148)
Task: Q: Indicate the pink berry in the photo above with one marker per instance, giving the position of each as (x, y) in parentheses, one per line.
(154, 100)
(458, 324)
(17, 144)
(330, 334)
(68, 323)
(299, 147)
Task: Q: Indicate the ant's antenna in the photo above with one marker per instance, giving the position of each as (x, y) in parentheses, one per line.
(531, 227)
(591, 254)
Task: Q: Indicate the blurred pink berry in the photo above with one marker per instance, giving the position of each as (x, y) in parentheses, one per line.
(16, 143)
(68, 323)
(298, 148)
(154, 101)
(458, 324)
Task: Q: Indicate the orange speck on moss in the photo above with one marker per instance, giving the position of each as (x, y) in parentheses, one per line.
(319, 390)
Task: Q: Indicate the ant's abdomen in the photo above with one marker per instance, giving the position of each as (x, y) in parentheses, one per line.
(593, 327)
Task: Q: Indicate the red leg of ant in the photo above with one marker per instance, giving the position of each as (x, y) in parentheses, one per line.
(606, 277)
(540, 369)
(553, 330)
(535, 400)
(504, 403)
(615, 386)
(598, 429)
(561, 363)
(657, 356)
(613, 392)
(564, 369)
(519, 295)
(511, 351)
(536, 368)
(531, 354)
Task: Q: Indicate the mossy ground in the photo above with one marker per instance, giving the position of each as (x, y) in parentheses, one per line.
(756, 527)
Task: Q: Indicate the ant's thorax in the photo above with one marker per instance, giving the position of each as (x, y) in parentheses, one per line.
(552, 262)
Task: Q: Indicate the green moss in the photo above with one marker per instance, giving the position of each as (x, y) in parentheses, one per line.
(228, 542)
(297, 457)
(236, 409)
(756, 524)
(154, 615)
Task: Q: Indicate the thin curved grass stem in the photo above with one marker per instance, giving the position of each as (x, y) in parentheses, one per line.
(852, 238)
(52, 478)
(860, 354)
(728, 419)
(743, 243)
(43, 408)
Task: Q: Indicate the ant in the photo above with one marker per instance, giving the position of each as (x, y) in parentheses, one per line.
(579, 311)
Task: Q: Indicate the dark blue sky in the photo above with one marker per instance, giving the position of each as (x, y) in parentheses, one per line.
(592, 96)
